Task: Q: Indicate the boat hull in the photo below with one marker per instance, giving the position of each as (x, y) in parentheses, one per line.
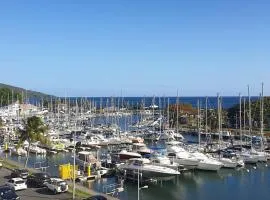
(128, 156)
(227, 163)
(187, 163)
(150, 171)
(208, 166)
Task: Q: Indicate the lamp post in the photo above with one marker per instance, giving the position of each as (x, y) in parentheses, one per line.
(139, 188)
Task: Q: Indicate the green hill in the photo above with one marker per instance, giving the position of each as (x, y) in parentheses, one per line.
(7, 92)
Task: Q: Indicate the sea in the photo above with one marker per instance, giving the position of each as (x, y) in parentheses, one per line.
(162, 102)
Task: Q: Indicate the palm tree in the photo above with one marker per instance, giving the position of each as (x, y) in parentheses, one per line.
(33, 131)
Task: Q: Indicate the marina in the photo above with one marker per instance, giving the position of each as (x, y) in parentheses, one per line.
(134, 100)
(113, 148)
(192, 184)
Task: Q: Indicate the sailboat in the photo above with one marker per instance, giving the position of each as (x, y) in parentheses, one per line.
(226, 162)
(205, 162)
(248, 157)
(262, 156)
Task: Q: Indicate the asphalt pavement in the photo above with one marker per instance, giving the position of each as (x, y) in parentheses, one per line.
(32, 193)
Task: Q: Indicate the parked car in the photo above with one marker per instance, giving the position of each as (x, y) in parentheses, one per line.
(96, 197)
(38, 179)
(22, 173)
(1, 165)
(6, 193)
(17, 184)
(57, 185)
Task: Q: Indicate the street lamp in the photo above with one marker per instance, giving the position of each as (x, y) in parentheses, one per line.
(139, 188)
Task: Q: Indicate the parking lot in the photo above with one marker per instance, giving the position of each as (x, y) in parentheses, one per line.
(32, 193)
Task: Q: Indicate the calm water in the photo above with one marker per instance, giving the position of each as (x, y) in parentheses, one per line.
(251, 182)
(227, 102)
(224, 185)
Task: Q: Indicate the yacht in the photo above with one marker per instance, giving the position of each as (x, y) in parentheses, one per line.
(37, 150)
(164, 161)
(249, 158)
(141, 149)
(182, 157)
(229, 162)
(262, 157)
(125, 155)
(147, 169)
(207, 163)
(19, 151)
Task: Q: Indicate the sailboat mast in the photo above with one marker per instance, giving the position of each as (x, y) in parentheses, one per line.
(168, 112)
(219, 119)
(160, 122)
(199, 126)
(244, 116)
(177, 110)
(262, 107)
(240, 119)
(74, 152)
(206, 102)
(249, 108)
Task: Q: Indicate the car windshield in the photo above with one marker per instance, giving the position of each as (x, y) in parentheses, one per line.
(19, 182)
(42, 175)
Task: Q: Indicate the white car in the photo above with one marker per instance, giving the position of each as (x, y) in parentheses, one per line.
(57, 185)
(17, 184)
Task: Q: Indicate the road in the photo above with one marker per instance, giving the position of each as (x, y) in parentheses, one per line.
(33, 193)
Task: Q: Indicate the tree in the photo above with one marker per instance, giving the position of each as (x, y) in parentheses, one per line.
(33, 131)
(8, 96)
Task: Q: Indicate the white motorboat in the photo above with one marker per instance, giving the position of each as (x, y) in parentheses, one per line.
(37, 150)
(249, 158)
(19, 151)
(164, 161)
(182, 157)
(262, 156)
(125, 155)
(228, 162)
(147, 169)
(187, 160)
(207, 163)
(171, 134)
(141, 149)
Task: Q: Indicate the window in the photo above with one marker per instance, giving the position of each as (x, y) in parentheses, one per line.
(19, 182)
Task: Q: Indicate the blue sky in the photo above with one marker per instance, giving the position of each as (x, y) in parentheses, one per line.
(142, 47)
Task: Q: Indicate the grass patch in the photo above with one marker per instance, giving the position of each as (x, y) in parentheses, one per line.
(8, 165)
(79, 193)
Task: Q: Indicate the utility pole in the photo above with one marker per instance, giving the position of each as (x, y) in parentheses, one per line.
(74, 153)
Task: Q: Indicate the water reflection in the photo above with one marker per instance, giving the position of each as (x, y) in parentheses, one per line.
(251, 182)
